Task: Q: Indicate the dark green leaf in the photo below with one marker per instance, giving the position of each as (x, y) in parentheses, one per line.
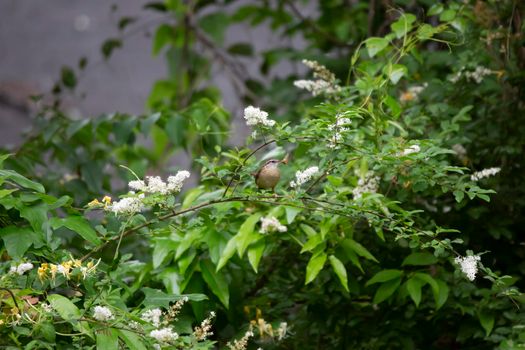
(385, 275)
(420, 259)
(216, 282)
(315, 265)
(340, 271)
(386, 290)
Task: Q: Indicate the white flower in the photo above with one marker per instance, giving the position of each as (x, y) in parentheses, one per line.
(127, 206)
(324, 82)
(46, 307)
(270, 224)
(368, 184)
(338, 128)
(176, 182)
(156, 185)
(21, 269)
(137, 185)
(469, 265)
(102, 313)
(164, 335)
(282, 330)
(255, 116)
(478, 175)
(410, 150)
(302, 177)
(204, 330)
(152, 316)
(477, 75)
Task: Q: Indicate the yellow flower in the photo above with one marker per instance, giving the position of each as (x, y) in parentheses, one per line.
(42, 271)
(106, 200)
(76, 262)
(89, 268)
(65, 268)
(93, 203)
(53, 269)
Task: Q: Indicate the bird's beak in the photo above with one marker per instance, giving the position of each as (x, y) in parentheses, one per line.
(285, 160)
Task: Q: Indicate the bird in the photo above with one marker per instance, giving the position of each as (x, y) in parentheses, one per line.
(269, 174)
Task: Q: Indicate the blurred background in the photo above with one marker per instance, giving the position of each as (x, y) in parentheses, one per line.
(38, 38)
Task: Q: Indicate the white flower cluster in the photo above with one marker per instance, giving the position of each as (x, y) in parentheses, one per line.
(412, 93)
(255, 116)
(302, 177)
(242, 343)
(154, 184)
(164, 335)
(478, 175)
(152, 316)
(368, 184)
(477, 75)
(271, 224)
(469, 265)
(338, 128)
(324, 83)
(204, 330)
(102, 313)
(410, 150)
(21, 269)
(127, 205)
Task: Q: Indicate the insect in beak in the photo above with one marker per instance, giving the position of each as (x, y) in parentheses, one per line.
(286, 158)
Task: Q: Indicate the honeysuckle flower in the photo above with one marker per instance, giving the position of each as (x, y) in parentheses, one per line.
(164, 335)
(282, 330)
(368, 184)
(255, 116)
(94, 203)
(21, 269)
(478, 175)
(152, 316)
(42, 271)
(302, 177)
(102, 313)
(468, 265)
(271, 224)
(107, 201)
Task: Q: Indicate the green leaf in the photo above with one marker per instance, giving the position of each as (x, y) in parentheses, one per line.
(227, 253)
(216, 282)
(358, 249)
(35, 214)
(442, 294)
(246, 236)
(255, 252)
(386, 290)
(291, 213)
(414, 289)
(65, 308)
(420, 259)
(163, 246)
(403, 25)
(340, 271)
(17, 240)
(109, 46)
(187, 241)
(107, 339)
(447, 15)
(426, 31)
(243, 49)
(435, 9)
(155, 297)
(315, 265)
(311, 243)
(68, 78)
(21, 180)
(79, 225)
(396, 72)
(459, 195)
(132, 340)
(486, 319)
(215, 24)
(375, 45)
(385, 275)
